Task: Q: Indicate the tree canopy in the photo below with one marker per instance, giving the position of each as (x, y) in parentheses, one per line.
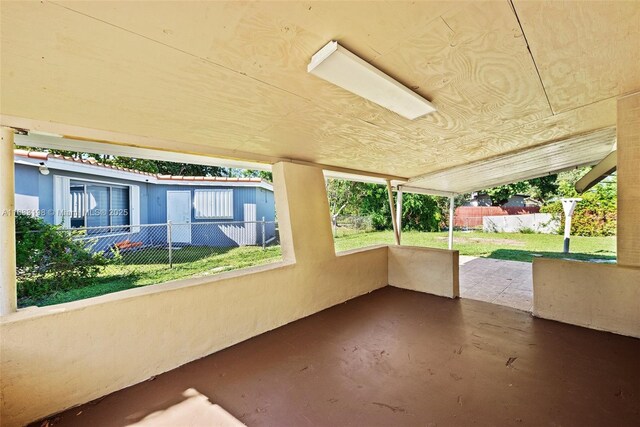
(419, 211)
(430, 213)
(540, 189)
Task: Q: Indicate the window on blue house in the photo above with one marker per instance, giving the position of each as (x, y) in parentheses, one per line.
(213, 204)
(99, 205)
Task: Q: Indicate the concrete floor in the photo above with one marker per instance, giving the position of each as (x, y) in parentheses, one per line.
(397, 357)
(497, 281)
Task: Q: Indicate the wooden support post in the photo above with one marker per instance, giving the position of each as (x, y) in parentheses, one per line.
(393, 212)
(8, 295)
(399, 214)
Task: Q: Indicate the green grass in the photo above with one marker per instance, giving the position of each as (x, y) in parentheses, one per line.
(199, 261)
(188, 262)
(508, 246)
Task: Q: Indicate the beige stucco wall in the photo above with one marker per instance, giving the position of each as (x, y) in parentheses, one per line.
(598, 296)
(628, 132)
(605, 297)
(433, 271)
(56, 357)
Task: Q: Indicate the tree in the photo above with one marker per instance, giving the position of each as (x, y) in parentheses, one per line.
(419, 211)
(540, 189)
(543, 188)
(344, 196)
(567, 182)
(250, 173)
(500, 195)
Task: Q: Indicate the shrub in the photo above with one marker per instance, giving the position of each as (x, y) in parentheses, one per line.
(595, 214)
(527, 230)
(49, 260)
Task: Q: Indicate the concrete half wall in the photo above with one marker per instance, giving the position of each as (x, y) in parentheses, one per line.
(53, 358)
(57, 357)
(433, 271)
(597, 296)
(605, 297)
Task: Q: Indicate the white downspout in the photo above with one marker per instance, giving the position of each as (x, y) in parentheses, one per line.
(399, 214)
(451, 218)
(393, 213)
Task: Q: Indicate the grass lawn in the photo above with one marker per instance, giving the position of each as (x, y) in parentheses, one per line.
(508, 246)
(150, 266)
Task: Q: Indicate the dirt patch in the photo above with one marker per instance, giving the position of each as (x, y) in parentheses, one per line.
(504, 242)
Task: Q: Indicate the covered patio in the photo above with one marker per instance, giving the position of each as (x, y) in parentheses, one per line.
(373, 336)
(396, 357)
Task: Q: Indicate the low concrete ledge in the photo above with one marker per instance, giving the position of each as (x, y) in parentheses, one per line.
(429, 270)
(86, 349)
(359, 250)
(605, 297)
(33, 312)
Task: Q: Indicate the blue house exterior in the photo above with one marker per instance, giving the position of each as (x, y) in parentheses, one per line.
(119, 205)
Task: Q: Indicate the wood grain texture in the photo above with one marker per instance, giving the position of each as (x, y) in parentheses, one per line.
(585, 51)
(230, 77)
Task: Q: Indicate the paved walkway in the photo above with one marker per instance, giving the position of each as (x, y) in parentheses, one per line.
(500, 282)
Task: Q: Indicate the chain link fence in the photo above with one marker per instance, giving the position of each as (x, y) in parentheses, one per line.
(173, 243)
(53, 259)
(345, 225)
(467, 223)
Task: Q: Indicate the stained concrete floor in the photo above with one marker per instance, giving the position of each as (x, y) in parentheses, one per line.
(397, 357)
(497, 281)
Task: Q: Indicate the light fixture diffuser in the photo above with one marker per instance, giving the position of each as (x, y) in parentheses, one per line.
(337, 65)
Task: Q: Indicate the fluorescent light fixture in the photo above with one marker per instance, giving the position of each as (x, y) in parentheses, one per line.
(337, 65)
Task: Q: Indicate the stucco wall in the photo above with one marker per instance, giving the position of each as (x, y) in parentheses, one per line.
(30, 181)
(597, 296)
(56, 357)
(628, 133)
(248, 205)
(242, 198)
(539, 222)
(27, 183)
(429, 270)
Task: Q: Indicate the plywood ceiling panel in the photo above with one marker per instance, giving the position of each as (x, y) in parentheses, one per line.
(220, 78)
(585, 51)
(273, 44)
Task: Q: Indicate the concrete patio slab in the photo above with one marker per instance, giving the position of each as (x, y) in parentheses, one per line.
(497, 281)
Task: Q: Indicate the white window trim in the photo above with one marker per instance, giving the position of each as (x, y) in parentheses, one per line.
(62, 201)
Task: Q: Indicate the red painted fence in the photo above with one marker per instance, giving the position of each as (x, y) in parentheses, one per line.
(471, 216)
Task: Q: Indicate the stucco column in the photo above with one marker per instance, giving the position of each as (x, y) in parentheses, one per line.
(8, 301)
(628, 131)
(304, 219)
